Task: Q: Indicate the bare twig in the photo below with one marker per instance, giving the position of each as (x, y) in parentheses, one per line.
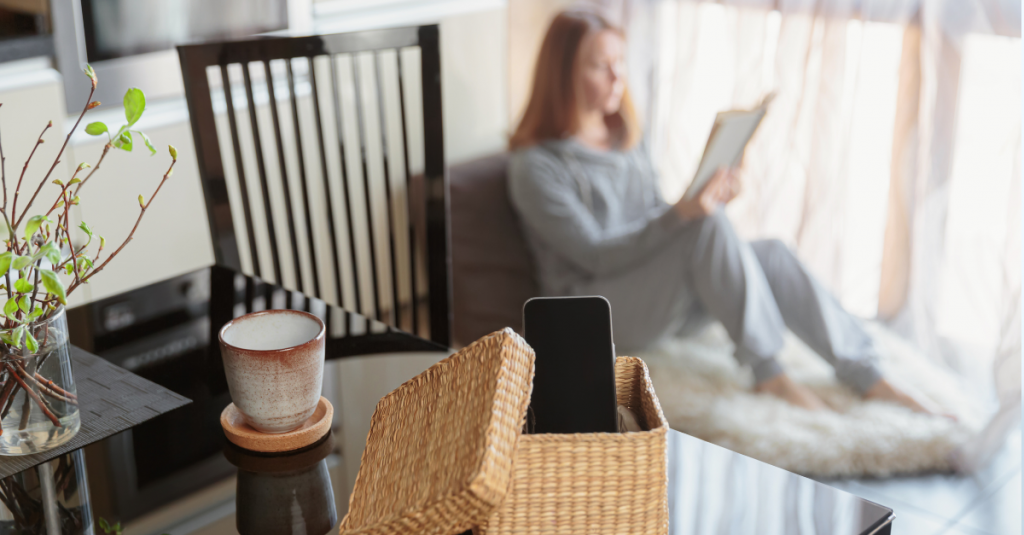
(10, 401)
(59, 390)
(35, 284)
(106, 149)
(3, 171)
(8, 387)
(14, 207)
(88, 106)
(41, 382)
(142, 212)
(35, 397)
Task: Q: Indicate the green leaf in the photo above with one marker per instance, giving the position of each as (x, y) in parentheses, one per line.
(50, 252)
(30, 342)
(33, 225)
(24, 305)
(134, 105)
(5, 262)
(173, 151)
(6, 337)
(85, 228)
(142, 201)
(95, 129)
(21, 262)
(74, 181)
(53, 285)
(68, 268)
(11, 307)
(89, 72)
(36, 312)
(19, 335)
(103, 524)
(145, 138)
(24, 286)
(124, 141)
(85, 261)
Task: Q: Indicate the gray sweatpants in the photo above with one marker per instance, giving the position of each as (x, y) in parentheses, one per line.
(756, 290)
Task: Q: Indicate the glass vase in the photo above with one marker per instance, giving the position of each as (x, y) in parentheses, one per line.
(60, 484)
(38, 399)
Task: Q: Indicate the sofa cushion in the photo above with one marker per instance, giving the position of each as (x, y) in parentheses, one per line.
(492, 271)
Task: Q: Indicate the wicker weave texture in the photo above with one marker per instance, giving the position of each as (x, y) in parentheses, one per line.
(439, 455)
(591, 483)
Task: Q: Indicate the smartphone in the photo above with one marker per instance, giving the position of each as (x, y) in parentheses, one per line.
(574, 382)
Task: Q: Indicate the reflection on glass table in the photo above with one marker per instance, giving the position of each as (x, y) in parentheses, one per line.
(166, 332)
(715, 490)
(284, 493)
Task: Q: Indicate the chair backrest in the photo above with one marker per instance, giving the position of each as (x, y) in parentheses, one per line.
(326, 172)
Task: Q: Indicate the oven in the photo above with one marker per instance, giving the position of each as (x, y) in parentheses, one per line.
(162, 332)
(131, 42)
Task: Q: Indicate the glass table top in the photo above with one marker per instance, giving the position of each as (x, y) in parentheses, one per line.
(167, 333)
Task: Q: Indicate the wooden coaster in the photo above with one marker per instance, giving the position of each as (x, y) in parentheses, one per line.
(244, 436)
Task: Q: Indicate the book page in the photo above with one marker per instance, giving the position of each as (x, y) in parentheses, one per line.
(732, 131)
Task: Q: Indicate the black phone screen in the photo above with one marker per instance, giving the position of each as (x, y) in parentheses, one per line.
(574, 383)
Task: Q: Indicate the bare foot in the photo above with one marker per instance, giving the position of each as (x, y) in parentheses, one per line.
(885, 391)
(781, 386)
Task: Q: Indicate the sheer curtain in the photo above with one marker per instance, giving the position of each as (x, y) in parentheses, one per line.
(889, 159)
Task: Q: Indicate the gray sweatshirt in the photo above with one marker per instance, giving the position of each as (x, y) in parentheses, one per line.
(586, 213)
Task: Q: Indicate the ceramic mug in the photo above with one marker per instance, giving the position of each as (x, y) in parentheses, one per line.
(274, 363)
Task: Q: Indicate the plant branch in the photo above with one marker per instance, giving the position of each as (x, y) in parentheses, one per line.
(142, 212)
(35, 397)
(106, 149)
(35, 284)
(14, 207)
(8, 388)
(88, 105)
(44, 388)
(50, 384)
(3, 172)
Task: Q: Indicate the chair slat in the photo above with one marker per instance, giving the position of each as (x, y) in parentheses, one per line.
(310, 237)
(240, 171)
(346, 192)
(296, 260)
(408, 200)
(332, 232)
(275, 257)
(393, 260)
(366, 185)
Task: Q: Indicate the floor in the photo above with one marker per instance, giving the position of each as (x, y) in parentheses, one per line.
(988, 503)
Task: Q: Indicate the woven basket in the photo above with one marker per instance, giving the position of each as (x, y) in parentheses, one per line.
(445, 454)
(438, 458)
(591, 483)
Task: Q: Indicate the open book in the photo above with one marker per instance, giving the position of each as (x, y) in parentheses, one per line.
(732, 130)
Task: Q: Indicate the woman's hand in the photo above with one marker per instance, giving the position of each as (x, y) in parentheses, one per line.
(721, 189)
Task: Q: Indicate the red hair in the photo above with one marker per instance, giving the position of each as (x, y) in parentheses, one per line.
(552, 111)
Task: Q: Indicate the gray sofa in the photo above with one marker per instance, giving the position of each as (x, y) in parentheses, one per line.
(492, 272)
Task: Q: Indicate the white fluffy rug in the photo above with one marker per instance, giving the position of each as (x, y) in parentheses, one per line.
(706, 394)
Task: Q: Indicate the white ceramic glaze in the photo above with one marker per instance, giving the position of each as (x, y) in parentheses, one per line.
(274, 363)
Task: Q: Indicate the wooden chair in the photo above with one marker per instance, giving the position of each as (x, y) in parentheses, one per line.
(326, 174)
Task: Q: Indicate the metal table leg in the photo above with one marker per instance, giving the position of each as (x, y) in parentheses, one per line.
(49, 495)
